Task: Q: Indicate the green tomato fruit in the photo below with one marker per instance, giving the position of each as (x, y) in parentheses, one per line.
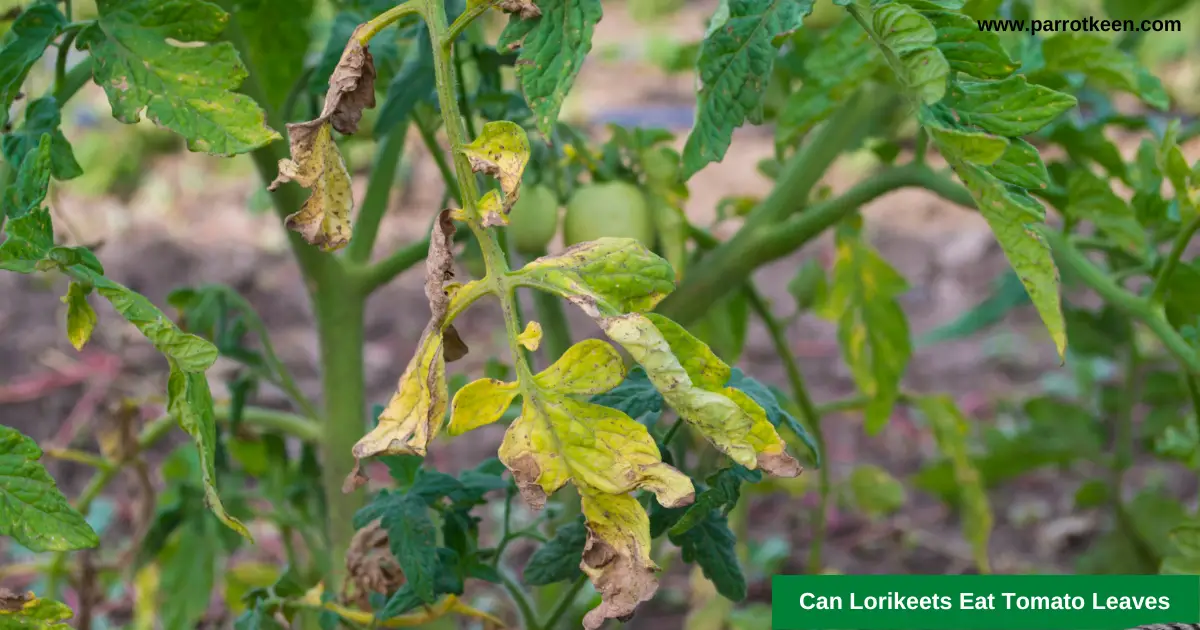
(533, 220)
(615, 209)
(661, 165)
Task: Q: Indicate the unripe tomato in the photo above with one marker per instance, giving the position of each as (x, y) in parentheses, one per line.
(533, 220)
(615, 209)
(661, 165)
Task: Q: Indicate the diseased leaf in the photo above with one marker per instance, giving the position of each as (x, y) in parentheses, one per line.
(968, 49)
(1021, 165)
(692, 380)
(411, 535)
(190, 403)
(24, 611)
(616, 555)
(553, 48)
(32, 510)
(734, 66)
(317, 164)
(919, 65)
(1092, 199)
(81, 319)
(502, 151)
(1010, 107)
(588, 367)
(526, 9)
(872, 329)
(32, 32)
(558, 559)
(531, 338)
(973, 146)
(161, 57)
(42, 117)
(480, 403)
(1101, 61)
(950, 428)
(608, 276)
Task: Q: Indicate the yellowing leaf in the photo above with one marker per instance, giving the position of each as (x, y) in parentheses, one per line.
(589, 367)
(617, 556)
(316, 163)
(502, 151)
(524, 8)
(557, 439)
(607, 276)
(491, 210)
(532, 337)
(480, 403)
(688, 376)
(81, 319)
(19, 611)
(414, 414)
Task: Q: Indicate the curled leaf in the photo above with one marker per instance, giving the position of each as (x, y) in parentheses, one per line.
(616, 556)
(501, 151)
(607, 276)
(316, 164)
(351, 86)
(524, 8)
(532, 337)
(439, 271)
(414, 414)
(491, 210)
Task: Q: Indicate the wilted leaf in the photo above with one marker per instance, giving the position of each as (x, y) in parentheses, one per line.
(616, 555)
(32, 510)
(692, 380)
(524, 8)
(735, 63)
(188, 352)
(919, 65)
(139, 61)
(30, 35)
(81, 319)
(872, 329)
(558, 559)
(608, 276)
(317, 164)
(553, 48)
(24, 611)
(950, 429)
(502, 151)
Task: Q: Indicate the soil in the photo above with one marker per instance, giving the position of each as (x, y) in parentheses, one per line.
(187, 223)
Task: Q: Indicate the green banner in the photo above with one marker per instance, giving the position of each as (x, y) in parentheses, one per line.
(982, 602)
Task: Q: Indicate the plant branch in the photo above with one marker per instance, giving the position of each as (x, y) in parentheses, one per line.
(372, 28)
(1181, 242)
(463, 21)
(564, 603)
(1136, 307)
(518, 596)
(439, 157)
(399, 261)
(379, 189)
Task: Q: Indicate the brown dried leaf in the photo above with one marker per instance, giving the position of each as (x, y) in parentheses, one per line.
(617, 556)
(12, 602)
(371, 566)
(525, 8)
(351, 87)
(316, 164)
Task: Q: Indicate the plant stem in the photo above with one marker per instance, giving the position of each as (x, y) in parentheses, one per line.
(1134, 306)
(73, 81)
(379, 274)
(379, 189)
(369, 30)
(517, 594)
(564, 603)
(812, 418)
(1181, 242)
(60, 64)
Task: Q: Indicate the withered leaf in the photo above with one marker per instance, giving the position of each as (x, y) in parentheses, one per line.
(316, 164)
(524, 8)
(501, 151)
(439, 270)
(351, 86)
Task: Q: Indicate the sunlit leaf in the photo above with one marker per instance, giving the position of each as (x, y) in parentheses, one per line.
(32, 509)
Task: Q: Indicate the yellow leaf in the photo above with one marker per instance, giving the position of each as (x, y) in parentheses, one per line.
(502, 151)
(617, 555)
(532, 337)
(81, 319)
(24, 610)
(558, 438)
(145, 603)
(414, 415)
(480, 403)
(316, 164)
(589, 367)
(691, 379)
(491, 210)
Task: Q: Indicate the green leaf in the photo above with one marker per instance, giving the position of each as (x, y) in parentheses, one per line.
(636, 396)
(767, 399)
(412, 537)
(277, 39)
(28, 192)
(26, 612)
(257, 618)
(876, 492)
(32, 510)
(711, 545)
(81, 319)
(872, 329)
(609, 276)
(734, 67)
(188, 89)
(1010, 107)
(1097, 58)
(553, 48)
(1021, 165)
(188, 352)
(968, 49)
(834, 70)
(723, 492)
(950, 430)
(909, 38)
(42, 116)
(189, 402)
(188, 573)
(1092, 199)
(558, 559)
(1012, 218)
(971, 146)
(30, 35)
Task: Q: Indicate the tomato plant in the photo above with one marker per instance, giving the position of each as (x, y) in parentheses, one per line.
(623, 445)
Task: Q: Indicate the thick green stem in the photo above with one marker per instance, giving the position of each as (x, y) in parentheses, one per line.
(1172, 261)
(379, 192)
